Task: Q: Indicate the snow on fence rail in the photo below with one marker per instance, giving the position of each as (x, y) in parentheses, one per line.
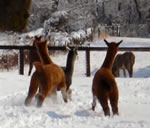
(63, 48)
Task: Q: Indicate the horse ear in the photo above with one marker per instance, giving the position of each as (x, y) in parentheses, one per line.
(107, 43)
(119, 42)
(38, 38)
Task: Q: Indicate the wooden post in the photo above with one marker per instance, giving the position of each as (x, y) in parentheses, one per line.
(21, 62)
(88, 70)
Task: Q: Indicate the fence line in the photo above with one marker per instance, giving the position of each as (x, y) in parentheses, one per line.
(81, 48)
(62, 48)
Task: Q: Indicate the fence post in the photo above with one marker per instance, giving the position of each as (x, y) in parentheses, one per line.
(21, 61)
(88, 70)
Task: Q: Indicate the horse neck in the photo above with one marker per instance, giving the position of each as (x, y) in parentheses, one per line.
(45, 58)
(70, 63)
(109, 59)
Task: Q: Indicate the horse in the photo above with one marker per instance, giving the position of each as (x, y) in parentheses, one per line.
(69, 69)
(33, 55)
(104, 86)
(123, 61)
(48, 77)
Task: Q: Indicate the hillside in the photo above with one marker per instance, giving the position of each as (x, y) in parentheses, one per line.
(130, 16)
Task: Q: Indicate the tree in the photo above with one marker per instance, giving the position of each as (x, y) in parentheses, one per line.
(14, 14)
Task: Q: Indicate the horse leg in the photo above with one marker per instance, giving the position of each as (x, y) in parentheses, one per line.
(103, 99)
(130, 71)
(114, 105)
(68, 90)
(53, 94)
(64, 95)
(114, 102)
(30, 69)
(94, 103)
(118, 72)
(62, 86)
(124, 72)
(41, 97)
(34, 84)
(69, 93)
(46, 88)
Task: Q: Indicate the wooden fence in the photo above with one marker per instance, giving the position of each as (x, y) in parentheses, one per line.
(86, 49)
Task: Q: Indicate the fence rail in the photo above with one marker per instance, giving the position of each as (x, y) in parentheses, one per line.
(62, 48)
(81, 48)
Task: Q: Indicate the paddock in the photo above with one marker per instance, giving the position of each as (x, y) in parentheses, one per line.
(86, 49)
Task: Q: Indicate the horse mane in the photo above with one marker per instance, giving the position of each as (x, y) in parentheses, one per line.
(43, 54)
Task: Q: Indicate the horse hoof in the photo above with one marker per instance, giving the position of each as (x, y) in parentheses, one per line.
(93, 108)
(65, 100)
(27, 101)
(69, 93)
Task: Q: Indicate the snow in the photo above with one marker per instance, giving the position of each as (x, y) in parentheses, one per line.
(134, 99)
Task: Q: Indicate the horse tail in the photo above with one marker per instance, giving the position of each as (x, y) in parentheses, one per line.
(38, 66)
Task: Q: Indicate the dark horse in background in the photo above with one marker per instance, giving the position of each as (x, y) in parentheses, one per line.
(123, 61)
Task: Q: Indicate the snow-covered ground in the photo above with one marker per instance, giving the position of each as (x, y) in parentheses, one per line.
(134, 100)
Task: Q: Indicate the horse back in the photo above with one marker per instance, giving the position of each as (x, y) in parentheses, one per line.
(54, 74)
(129, 58)
(104, 81)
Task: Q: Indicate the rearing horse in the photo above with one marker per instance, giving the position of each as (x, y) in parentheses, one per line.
(48, 77)
(69, 69)
(104, 86)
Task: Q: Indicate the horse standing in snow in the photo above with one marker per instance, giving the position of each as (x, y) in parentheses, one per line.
(104, 86)
(123, 61)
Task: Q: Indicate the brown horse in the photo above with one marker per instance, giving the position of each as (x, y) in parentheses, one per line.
(47, 78)
(69, 64)
(123, 61)
(104, 86)
(33, 55)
